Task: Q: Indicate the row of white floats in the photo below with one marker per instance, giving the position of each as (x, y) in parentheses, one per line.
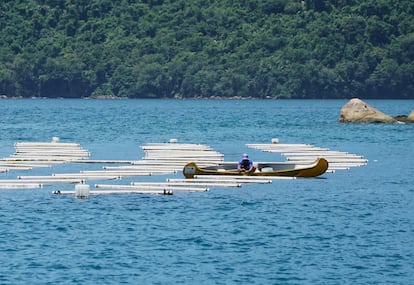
(198, 184)
(29, 155)
(337, 160)
(159, 159)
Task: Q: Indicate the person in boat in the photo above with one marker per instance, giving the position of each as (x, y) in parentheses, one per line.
(245, 164)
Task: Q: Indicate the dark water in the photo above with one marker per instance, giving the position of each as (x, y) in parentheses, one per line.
(352, 227)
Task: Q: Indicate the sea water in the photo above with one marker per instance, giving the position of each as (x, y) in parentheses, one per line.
(349, 227)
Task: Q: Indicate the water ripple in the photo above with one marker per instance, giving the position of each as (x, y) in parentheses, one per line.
(354, 227)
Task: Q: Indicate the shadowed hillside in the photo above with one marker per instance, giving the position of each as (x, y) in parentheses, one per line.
(203, 48)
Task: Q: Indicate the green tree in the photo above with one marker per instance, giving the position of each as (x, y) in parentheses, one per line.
(164, 48)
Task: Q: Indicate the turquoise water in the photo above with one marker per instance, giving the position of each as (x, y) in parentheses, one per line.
(353, 227)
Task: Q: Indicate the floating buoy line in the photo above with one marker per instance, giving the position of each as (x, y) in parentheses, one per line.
(159, 159)
(298, 153)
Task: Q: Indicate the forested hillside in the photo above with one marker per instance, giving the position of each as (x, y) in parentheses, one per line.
(203, 48)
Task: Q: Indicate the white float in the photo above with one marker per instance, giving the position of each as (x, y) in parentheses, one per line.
(82, 191)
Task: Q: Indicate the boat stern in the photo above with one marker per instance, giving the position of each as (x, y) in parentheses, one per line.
(190, 169)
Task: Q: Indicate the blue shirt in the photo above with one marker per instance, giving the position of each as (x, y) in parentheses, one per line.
(245, 163)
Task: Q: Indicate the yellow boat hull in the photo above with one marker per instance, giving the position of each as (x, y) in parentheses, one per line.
(313, 169)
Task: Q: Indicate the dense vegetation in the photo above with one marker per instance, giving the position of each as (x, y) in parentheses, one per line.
(203, 48)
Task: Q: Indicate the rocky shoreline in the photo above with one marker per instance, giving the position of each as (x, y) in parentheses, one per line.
(358, 111)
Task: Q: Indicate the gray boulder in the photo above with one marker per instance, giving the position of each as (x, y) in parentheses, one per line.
(357, 111)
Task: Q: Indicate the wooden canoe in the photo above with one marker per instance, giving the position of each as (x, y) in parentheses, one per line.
(291, 169)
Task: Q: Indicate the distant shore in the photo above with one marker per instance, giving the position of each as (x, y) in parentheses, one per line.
(113, 97)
